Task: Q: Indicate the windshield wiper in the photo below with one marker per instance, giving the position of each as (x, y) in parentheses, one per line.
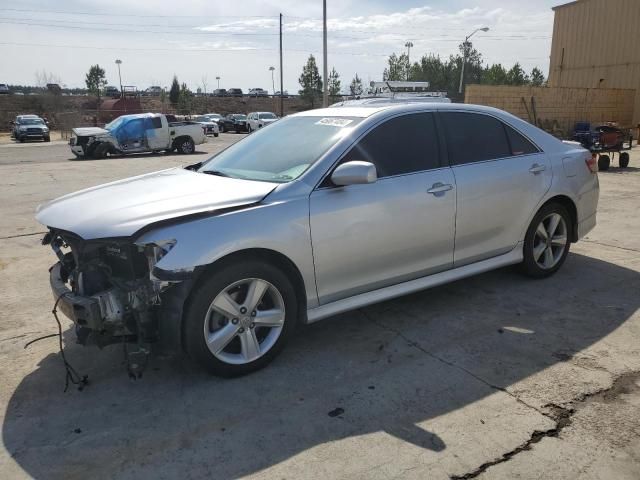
(216, 172)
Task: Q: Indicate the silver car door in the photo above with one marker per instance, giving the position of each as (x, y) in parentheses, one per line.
(500, 177)
(399, 228)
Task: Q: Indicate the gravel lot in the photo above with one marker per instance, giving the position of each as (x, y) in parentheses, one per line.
(496, 376)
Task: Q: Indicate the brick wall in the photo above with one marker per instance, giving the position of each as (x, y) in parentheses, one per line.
(557, 109)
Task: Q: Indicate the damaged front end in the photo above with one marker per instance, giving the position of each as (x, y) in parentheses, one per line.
(108, 289)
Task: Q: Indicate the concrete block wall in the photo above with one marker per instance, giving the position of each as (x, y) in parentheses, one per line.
(557, 109)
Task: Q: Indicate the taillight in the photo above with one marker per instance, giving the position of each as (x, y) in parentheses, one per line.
(592, 164)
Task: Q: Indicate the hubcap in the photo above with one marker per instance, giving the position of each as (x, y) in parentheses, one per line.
(244, 321)
(187, 147)
(550, 241)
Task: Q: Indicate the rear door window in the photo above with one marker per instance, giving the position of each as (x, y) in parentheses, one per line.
(474, 137)
(401, 145)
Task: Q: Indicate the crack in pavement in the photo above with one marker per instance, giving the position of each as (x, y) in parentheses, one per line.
(628, 249)
(623, 384)
(559, 414)
(22, 235)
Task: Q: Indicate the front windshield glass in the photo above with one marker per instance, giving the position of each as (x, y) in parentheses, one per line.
(239, 117)
(115, 123)
(31, 121)
(267, 116)
(282, 152)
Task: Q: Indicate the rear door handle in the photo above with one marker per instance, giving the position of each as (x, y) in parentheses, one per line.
(535, 168)
(439, 188)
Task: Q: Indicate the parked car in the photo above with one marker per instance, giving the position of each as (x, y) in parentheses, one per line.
(234, 92)
(323, 212)
(220, 92)
(30, 127)
(4, 89)
(258, 92)
(214, 117)
(256, 120)
(143, 132)
(209, 126)
(285, 94)
(234, 122)
(111, 91)
(154, 91)
(130, 91)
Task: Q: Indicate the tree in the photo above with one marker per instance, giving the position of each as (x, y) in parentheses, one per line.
(43, 78)
(356, 86)
(96, 81)
(494, 75)
(537, 77)
(334, 83)
(397, 67)
(310, 82)
(174, 92)
(517, 76)
(184, 100)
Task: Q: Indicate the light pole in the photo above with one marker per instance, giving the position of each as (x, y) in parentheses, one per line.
(325, 74)
(119, 62)
(218, 79)
(464, 54)
(273, 82)
(408, 45)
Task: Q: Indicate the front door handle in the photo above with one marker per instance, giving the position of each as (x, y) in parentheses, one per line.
(535, 168)
(437, 188)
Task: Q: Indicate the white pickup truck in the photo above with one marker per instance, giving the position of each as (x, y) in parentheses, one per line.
(144, 132)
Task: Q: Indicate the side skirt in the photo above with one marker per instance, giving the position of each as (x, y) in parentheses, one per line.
(387, 293)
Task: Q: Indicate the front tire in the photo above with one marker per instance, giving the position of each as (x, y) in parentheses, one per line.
(240, 318)
(604, 162)
(547, 241)
(624, 160)
(221, 128)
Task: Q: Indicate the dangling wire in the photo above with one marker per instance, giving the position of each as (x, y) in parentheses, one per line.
(72, 374)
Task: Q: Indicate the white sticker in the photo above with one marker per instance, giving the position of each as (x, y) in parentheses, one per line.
(334, 122)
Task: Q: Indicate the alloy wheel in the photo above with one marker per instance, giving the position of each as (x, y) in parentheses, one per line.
(550, 241)
(244, 321)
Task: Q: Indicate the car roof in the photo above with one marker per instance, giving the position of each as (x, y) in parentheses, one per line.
(365, 111)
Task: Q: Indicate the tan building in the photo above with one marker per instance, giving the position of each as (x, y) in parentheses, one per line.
(596, 44)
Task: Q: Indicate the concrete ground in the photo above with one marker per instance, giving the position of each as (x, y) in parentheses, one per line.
(496, 376)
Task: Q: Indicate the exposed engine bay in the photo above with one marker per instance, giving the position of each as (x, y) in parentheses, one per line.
(107, 289)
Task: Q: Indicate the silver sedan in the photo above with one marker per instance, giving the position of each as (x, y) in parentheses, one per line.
(323, 212)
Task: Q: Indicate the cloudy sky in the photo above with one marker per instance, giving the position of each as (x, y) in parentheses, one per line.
(238, 41)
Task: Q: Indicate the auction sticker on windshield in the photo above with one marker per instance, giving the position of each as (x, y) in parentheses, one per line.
(334, 122)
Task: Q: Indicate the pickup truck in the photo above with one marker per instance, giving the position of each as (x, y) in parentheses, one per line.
(144, 132)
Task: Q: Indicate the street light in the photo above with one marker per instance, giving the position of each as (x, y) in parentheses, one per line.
(218, 79)
(408, 45)
(273, 82)
(464, 53)
(119, 62)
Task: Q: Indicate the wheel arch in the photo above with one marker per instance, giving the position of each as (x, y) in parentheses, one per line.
(272, 257)
(571, 208)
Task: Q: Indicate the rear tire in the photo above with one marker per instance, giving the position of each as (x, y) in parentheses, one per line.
(186, 146)
(207, 329)
(604, 162)
(547, 242)
(624, 160)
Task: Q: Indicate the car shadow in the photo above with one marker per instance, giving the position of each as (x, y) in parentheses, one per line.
(619, 171)
(392, 368)
(136, 155)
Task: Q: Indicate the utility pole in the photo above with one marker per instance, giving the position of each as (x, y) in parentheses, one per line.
(281, 76)
(325, 73)
(408, 45)
(465, 47)
(273, 82)
(119, 62)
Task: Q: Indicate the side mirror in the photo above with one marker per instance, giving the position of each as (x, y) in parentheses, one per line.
(354, 173)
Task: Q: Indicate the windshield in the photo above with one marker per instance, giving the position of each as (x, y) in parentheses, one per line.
(214, 116)
(115, 123)
(266, 116)
(283, 152)
(238, 117)
(31, 121)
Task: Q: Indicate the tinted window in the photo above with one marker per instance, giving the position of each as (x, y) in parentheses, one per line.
(401, 145)
(473, 137)
(519, 144)
(153, 122)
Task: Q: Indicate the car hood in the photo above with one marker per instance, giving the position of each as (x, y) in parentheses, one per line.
(121, 208)
(268, 120)
(90, 131)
